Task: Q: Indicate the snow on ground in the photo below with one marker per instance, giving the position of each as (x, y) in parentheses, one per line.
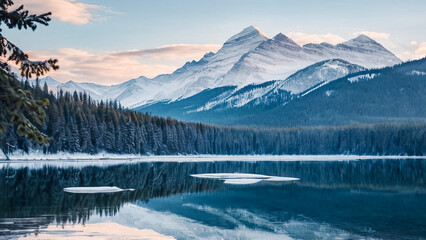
(367, 76)
(39, 160)
(39, 155)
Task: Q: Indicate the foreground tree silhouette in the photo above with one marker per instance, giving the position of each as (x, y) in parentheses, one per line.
(17, 105)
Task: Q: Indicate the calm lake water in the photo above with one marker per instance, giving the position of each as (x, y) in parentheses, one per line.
(366, 199)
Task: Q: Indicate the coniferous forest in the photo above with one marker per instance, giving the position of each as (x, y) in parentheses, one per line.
(76, 123)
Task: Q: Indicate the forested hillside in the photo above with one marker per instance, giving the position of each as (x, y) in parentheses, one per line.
(76, 123)
(392, 93)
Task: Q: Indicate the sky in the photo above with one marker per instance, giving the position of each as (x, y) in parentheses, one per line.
(110, 41)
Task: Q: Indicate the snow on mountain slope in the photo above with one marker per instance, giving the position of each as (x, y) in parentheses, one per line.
(131, 90)
(239, 97)
(279, 57)
(89, 88)
(51, 83)
(97, 89)
(361, 50)
(320, 73)
(275, 58)
(325, 71)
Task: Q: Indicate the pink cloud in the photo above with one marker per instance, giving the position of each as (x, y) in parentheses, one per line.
(421, 50)
(171, 51)
(71, 11)
(119, 66)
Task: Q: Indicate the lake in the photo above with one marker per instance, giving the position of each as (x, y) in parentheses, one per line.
(351, 199)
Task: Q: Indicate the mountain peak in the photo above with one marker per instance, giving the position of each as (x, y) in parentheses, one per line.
(247, 33)
(283, 38)
(209, 54)
(363, 38)
(49, 79)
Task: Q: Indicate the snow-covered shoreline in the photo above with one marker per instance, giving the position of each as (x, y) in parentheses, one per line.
(39, 155)
(38, 159)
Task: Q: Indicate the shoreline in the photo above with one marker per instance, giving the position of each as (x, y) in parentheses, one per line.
(78, 160)
(39, 156)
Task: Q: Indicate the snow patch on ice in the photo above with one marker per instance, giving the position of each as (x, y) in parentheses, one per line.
(244, 181)
(95, 189)
(243, 178)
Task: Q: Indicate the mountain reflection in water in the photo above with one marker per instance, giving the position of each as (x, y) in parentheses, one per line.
(370, 198)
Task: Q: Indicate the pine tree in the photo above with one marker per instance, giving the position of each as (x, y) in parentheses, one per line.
(45, 88)
(16, 104)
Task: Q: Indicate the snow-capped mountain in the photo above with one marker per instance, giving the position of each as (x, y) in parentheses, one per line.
(248, 57)
(280, 57)
(94, 90)
(51, 83)
(196, 76)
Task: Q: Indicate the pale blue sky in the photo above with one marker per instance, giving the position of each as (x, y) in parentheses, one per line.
(119, 25)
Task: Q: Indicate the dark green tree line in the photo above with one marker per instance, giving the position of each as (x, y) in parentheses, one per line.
(76, 123)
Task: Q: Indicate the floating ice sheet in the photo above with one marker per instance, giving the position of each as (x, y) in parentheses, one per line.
(243, 178)
(95, 189)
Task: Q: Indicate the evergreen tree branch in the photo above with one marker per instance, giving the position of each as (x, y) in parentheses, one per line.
(28, 68)
(21, 18)
(16, 104)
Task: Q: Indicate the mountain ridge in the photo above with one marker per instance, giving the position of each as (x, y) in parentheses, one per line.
(248, 57)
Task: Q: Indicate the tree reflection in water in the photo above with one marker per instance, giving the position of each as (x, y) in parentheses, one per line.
(33, 198)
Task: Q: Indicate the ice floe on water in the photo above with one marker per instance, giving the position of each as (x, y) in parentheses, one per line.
(95, 189)
(243, 178)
